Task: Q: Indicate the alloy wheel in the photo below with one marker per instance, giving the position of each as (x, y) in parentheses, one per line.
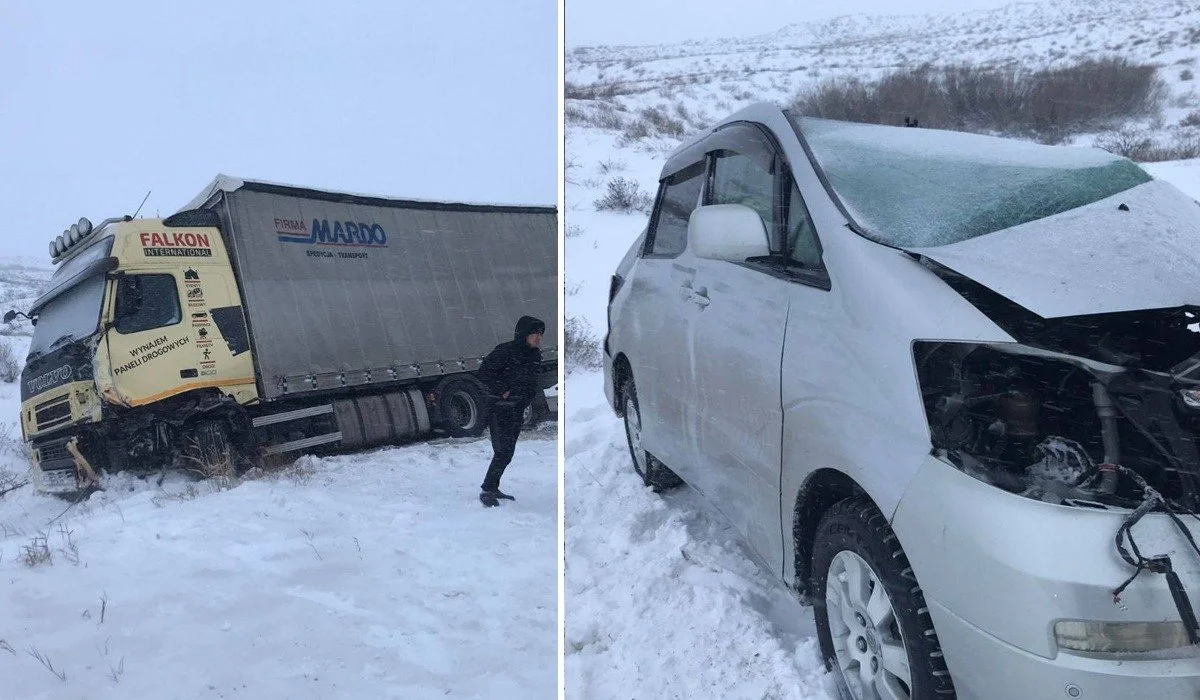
(868, 644)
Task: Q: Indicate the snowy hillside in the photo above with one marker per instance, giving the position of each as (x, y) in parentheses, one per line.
(21, 281)
(662, 598)
(361, 576)
(696, 82)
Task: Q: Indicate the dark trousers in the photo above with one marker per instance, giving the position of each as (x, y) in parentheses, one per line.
(505, 427)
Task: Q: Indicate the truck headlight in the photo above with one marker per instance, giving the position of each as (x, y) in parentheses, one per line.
(1119, 637)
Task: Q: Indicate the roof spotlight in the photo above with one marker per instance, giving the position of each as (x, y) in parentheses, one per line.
(73, 234)
(54, 249)
(85, 227)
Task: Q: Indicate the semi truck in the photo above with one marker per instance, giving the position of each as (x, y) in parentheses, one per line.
(264, 319)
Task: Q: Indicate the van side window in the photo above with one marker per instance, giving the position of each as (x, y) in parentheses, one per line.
(741, 179)
(680, 196)
(802, 243)
(145, 302)
(745, 172)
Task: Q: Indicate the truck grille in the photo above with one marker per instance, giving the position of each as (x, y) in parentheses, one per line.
(53, 452)
(53, 413)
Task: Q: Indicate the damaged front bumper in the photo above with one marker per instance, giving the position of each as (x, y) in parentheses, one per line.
(1000, 570)
(60, 467)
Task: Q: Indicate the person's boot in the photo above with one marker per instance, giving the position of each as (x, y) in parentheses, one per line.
(488, 499)
(500, 494)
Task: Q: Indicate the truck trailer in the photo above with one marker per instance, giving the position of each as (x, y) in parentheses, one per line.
(264, 319)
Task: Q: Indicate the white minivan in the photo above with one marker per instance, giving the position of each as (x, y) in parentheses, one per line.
(947, 386)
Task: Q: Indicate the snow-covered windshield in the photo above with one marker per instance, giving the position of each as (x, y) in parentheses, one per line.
(74, 313)
(924, 187)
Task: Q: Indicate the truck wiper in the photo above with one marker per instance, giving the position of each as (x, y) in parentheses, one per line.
(68, 338)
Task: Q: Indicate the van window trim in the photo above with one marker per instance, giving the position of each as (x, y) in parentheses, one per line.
(652, 228)
(817, 277)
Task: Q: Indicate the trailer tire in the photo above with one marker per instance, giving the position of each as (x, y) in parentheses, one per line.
(535, 412)
(463, 407)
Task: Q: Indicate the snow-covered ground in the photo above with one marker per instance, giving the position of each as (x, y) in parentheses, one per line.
(375, 575)
(662, 598)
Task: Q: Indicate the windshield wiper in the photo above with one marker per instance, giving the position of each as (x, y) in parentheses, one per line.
(68, 338)
(780, 262)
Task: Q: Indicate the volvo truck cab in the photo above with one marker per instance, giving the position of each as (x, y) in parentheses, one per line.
(142, 324)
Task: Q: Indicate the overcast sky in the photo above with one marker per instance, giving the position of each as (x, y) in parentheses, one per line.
(591, 22)
(102, 101)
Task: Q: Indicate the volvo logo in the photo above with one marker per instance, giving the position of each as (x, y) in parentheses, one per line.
(54, 376)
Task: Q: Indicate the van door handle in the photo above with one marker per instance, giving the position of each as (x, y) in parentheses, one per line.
(700, 297)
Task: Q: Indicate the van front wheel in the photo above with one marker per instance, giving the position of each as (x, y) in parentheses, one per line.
(872, 620)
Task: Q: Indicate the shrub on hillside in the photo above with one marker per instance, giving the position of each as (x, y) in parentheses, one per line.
(1047, 104)
(624, 195)
(1143, 148)
(581, 346)
(10, 364)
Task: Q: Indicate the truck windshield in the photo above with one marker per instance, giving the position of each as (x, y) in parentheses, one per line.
(924, 187)
(72, 315)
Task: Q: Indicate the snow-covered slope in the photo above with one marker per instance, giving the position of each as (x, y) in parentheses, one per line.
(365, 576)
(662, 599)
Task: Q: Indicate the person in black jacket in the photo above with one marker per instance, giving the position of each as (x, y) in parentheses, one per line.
(510, 372)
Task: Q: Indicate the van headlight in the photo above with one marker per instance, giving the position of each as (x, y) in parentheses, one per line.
(1119, 637)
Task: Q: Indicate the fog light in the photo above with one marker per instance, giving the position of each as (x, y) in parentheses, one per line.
(1191, 397)
(1119, 637)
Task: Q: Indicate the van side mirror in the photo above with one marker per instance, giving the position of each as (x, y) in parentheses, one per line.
(8, 317)
(731, 232)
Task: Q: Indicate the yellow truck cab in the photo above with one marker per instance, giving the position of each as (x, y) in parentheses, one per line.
(138, 312)
(265, 319)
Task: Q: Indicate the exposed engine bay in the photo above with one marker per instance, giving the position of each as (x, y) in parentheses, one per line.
(1057, 415)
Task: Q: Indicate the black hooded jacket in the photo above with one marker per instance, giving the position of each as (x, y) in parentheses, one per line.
(514, 367)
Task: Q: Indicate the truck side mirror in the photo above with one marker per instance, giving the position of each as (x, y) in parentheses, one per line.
(8, 317)
(731, 232)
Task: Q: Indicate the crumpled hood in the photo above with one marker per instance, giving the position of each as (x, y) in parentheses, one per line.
(1094, 259)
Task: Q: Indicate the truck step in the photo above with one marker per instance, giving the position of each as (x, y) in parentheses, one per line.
(274, 418)
(302, 444)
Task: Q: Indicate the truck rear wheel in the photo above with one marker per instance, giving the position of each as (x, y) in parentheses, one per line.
(462, 407)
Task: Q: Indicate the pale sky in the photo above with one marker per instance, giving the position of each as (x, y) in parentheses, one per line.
(637, 22)
(102, 101)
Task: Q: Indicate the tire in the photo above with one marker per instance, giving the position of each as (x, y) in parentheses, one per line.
(535, 412)
(462, 407)
(654, 473)
(881, 633)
